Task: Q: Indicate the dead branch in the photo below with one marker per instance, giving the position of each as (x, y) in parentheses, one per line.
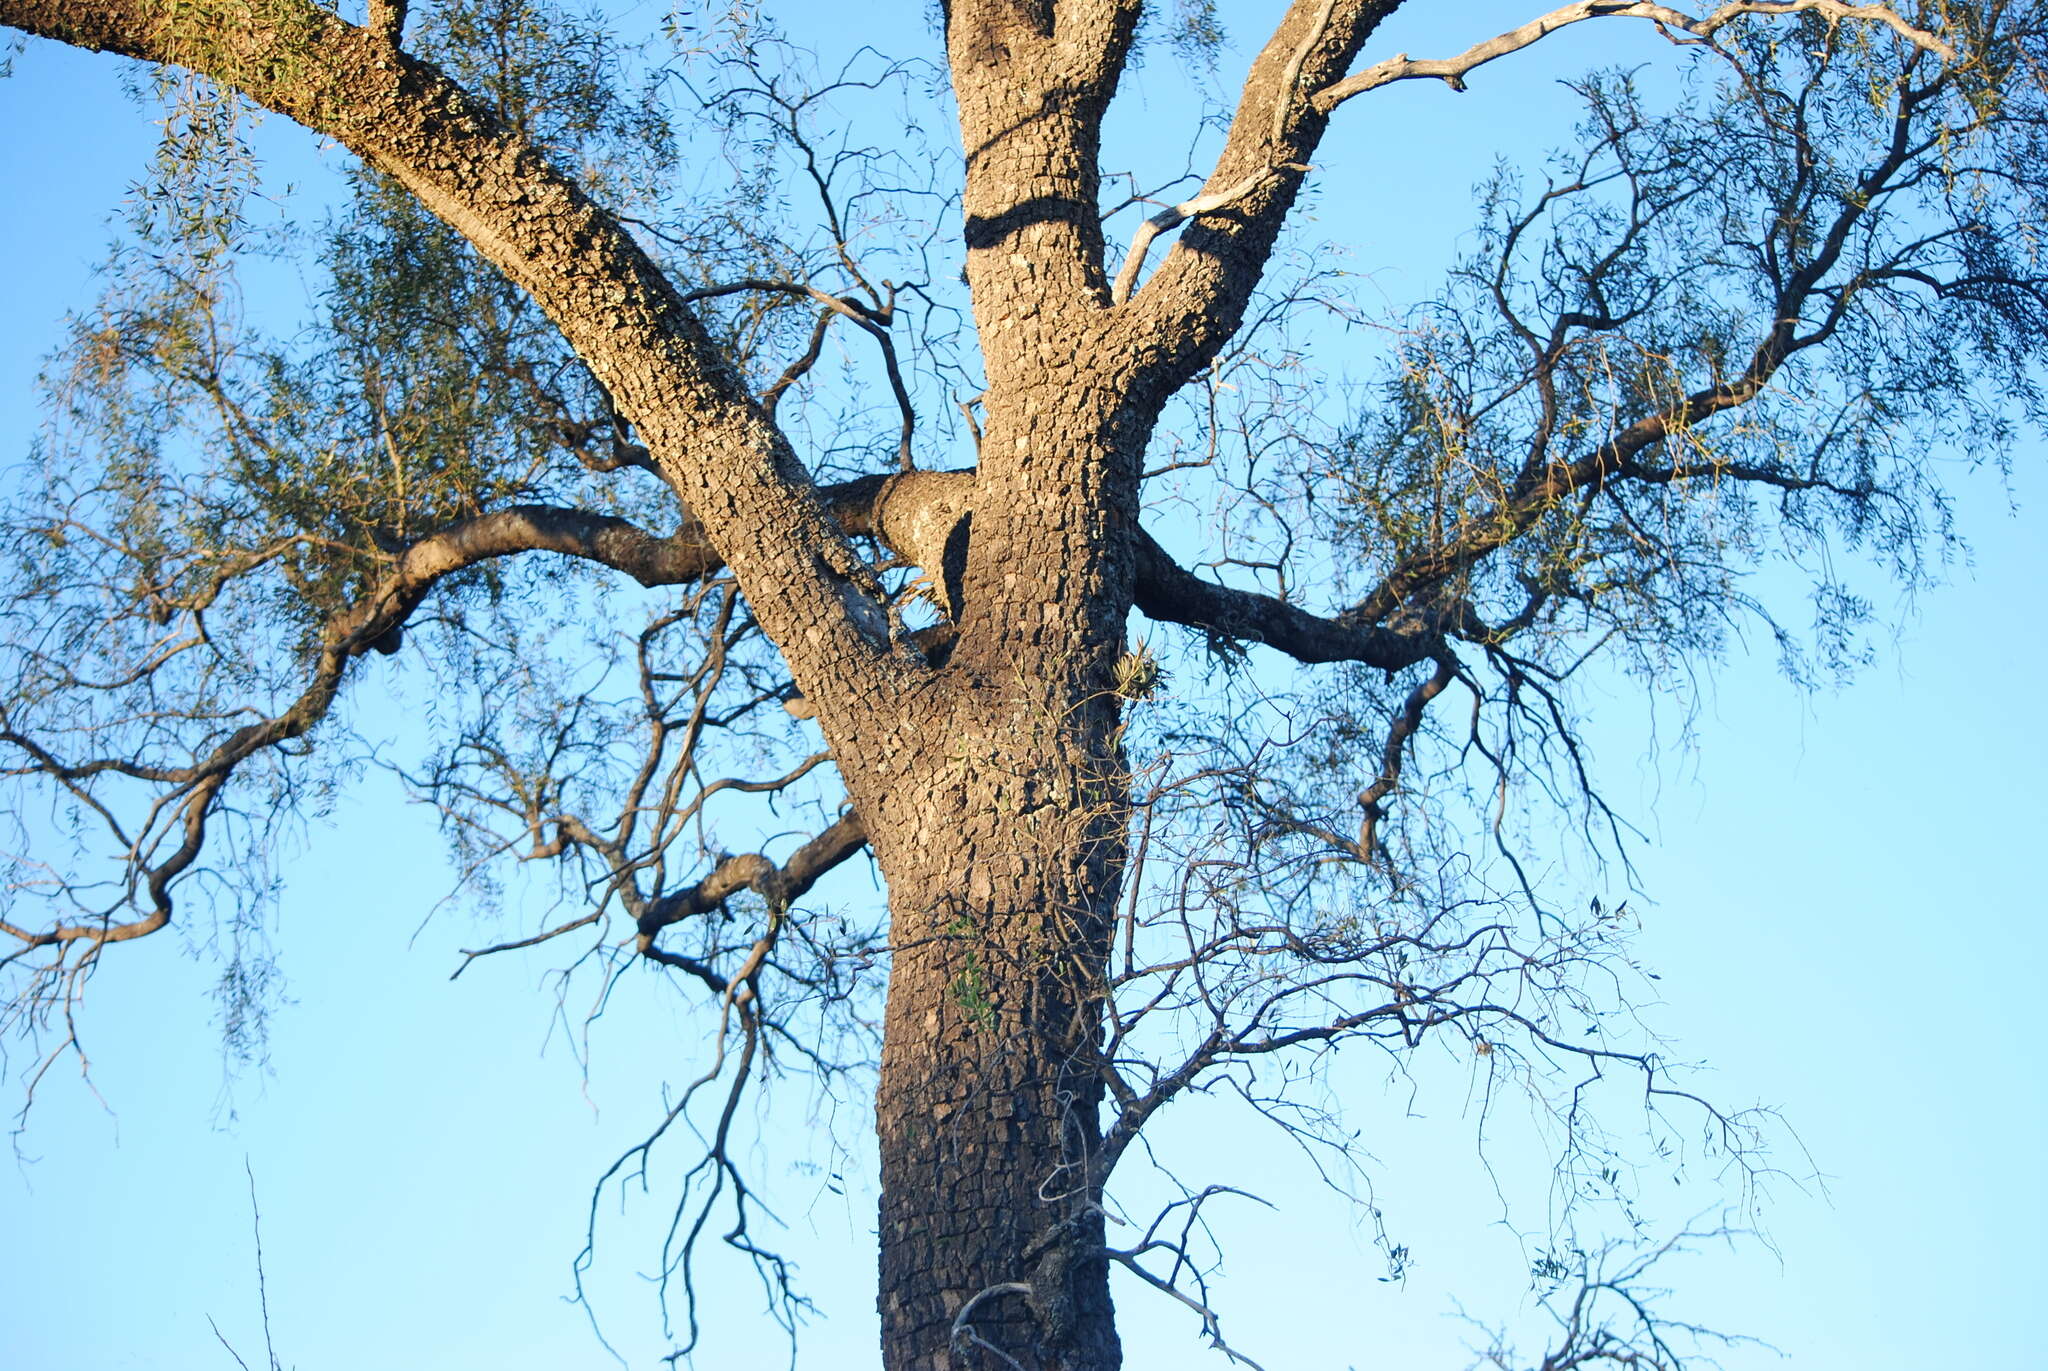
(1702, 28)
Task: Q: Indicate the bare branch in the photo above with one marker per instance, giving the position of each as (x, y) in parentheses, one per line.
(780, 885)
(471, 954)
(1184, 1261)
(1702, 28)
(1174, 216)
(1392, 757)
(874, 322)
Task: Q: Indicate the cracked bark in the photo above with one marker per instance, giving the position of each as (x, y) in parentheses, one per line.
(989, 785)
(992, 790)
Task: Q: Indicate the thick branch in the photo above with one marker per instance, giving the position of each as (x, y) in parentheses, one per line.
(652, 561)
(1031, 82)
(1169, 593)
(615, 307)
(780, 885)
(912, 513)
(1197, 298)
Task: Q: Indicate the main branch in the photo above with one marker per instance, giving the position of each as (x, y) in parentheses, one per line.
(730, 464)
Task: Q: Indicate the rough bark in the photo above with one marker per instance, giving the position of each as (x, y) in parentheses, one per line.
(1003, 864)
(988, 781)
(990, 789)
(1197, 298)
(709, 438)
(1003, 841)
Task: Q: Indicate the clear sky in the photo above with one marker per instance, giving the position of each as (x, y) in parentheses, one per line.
(1846, 909)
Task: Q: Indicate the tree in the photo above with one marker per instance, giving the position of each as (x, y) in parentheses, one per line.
(1735, 321)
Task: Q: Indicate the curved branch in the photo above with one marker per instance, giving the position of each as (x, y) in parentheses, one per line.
(874, 322)
(750, 871)
(642, 342)
(686, 555)
(1169, 593)
(374, 621)
(1197, 298)
(1393, 755)
(1453, 70)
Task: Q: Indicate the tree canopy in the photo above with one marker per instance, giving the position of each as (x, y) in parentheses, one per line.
(758, 465)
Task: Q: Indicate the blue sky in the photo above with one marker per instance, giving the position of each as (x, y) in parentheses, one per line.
(1846, 910)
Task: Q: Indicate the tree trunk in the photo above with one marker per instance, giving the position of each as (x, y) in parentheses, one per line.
(1003, 795)
(1003, 885)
